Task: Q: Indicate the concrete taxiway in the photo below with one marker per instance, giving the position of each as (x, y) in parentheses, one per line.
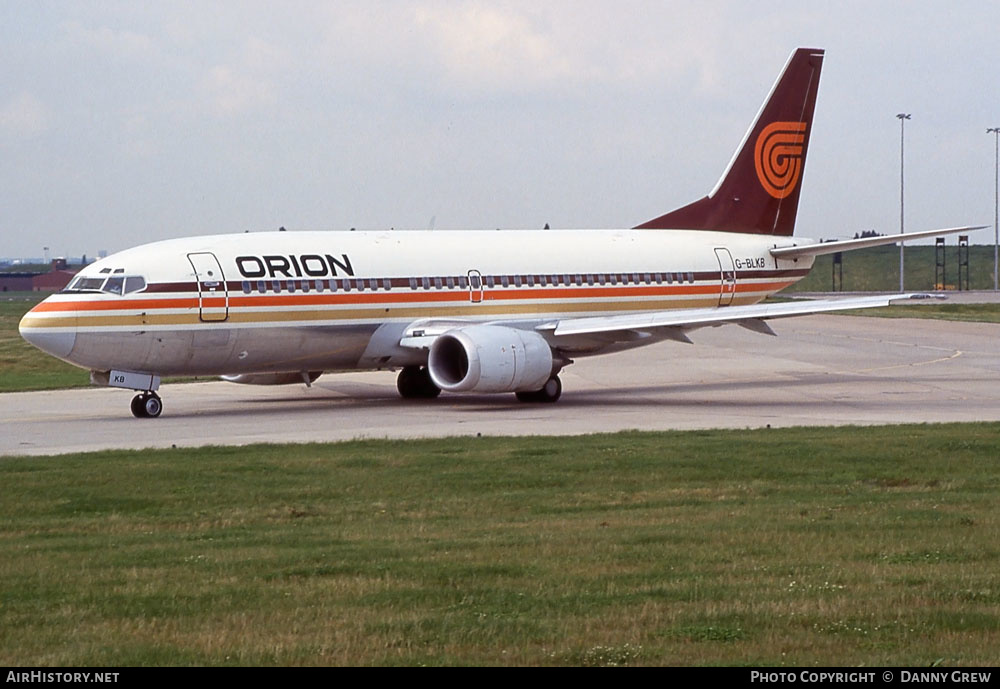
(821, 370)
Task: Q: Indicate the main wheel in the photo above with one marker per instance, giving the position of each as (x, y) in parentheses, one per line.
(550, 392)
(138, 406)
(415, 382)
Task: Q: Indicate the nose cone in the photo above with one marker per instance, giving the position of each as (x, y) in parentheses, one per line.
(53, 333)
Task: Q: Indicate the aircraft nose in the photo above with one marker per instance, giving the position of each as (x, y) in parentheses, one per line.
(53, 336)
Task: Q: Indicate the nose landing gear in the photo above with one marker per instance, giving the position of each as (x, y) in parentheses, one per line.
(146, 405)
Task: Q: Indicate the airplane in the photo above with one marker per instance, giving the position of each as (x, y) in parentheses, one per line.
(460, 311)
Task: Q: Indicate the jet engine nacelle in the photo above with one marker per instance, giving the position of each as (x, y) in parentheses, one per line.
(274, 378)
(490, 358)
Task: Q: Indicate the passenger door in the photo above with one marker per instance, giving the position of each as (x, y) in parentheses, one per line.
(727, 276)
(213, 297)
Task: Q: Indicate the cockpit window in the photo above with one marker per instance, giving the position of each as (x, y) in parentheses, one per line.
(86, 285)
(114, 284)
(134, 284)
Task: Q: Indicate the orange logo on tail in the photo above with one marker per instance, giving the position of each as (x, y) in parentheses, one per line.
(778, 157)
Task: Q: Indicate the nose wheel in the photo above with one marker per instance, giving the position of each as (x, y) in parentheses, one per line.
(146, 405)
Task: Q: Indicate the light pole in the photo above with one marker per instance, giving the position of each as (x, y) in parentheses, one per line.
(996, 205)
(902, 119)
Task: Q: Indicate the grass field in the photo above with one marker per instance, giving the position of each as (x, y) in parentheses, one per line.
(877, 270)
(23, 367)
(876, 546)
(979, 313)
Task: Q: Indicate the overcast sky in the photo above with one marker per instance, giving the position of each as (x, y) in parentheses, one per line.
(127, 122)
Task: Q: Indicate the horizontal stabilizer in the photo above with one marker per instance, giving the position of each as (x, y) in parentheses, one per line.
(854, 244)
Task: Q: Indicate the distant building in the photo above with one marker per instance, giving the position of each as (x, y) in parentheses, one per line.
(16, 282)
(52, 281)
(56, 279)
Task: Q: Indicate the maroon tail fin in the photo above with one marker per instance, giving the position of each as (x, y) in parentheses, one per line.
(759, 191)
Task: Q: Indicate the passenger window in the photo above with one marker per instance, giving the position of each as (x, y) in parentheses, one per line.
(246, 287)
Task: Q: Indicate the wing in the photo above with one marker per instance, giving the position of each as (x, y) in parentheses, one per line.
(680, 320)
(600, 334)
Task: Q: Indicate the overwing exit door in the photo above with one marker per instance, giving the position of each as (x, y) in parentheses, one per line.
(475, 286)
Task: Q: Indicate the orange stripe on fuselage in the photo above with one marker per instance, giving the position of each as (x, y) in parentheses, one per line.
(117, 304)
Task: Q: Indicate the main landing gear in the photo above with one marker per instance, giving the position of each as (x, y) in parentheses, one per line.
(550, 392)
(146, 405)
(414, 382)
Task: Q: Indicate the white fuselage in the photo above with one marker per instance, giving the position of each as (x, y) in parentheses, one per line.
(324, 301)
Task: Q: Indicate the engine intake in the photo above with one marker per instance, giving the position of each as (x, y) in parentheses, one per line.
(490, 358)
